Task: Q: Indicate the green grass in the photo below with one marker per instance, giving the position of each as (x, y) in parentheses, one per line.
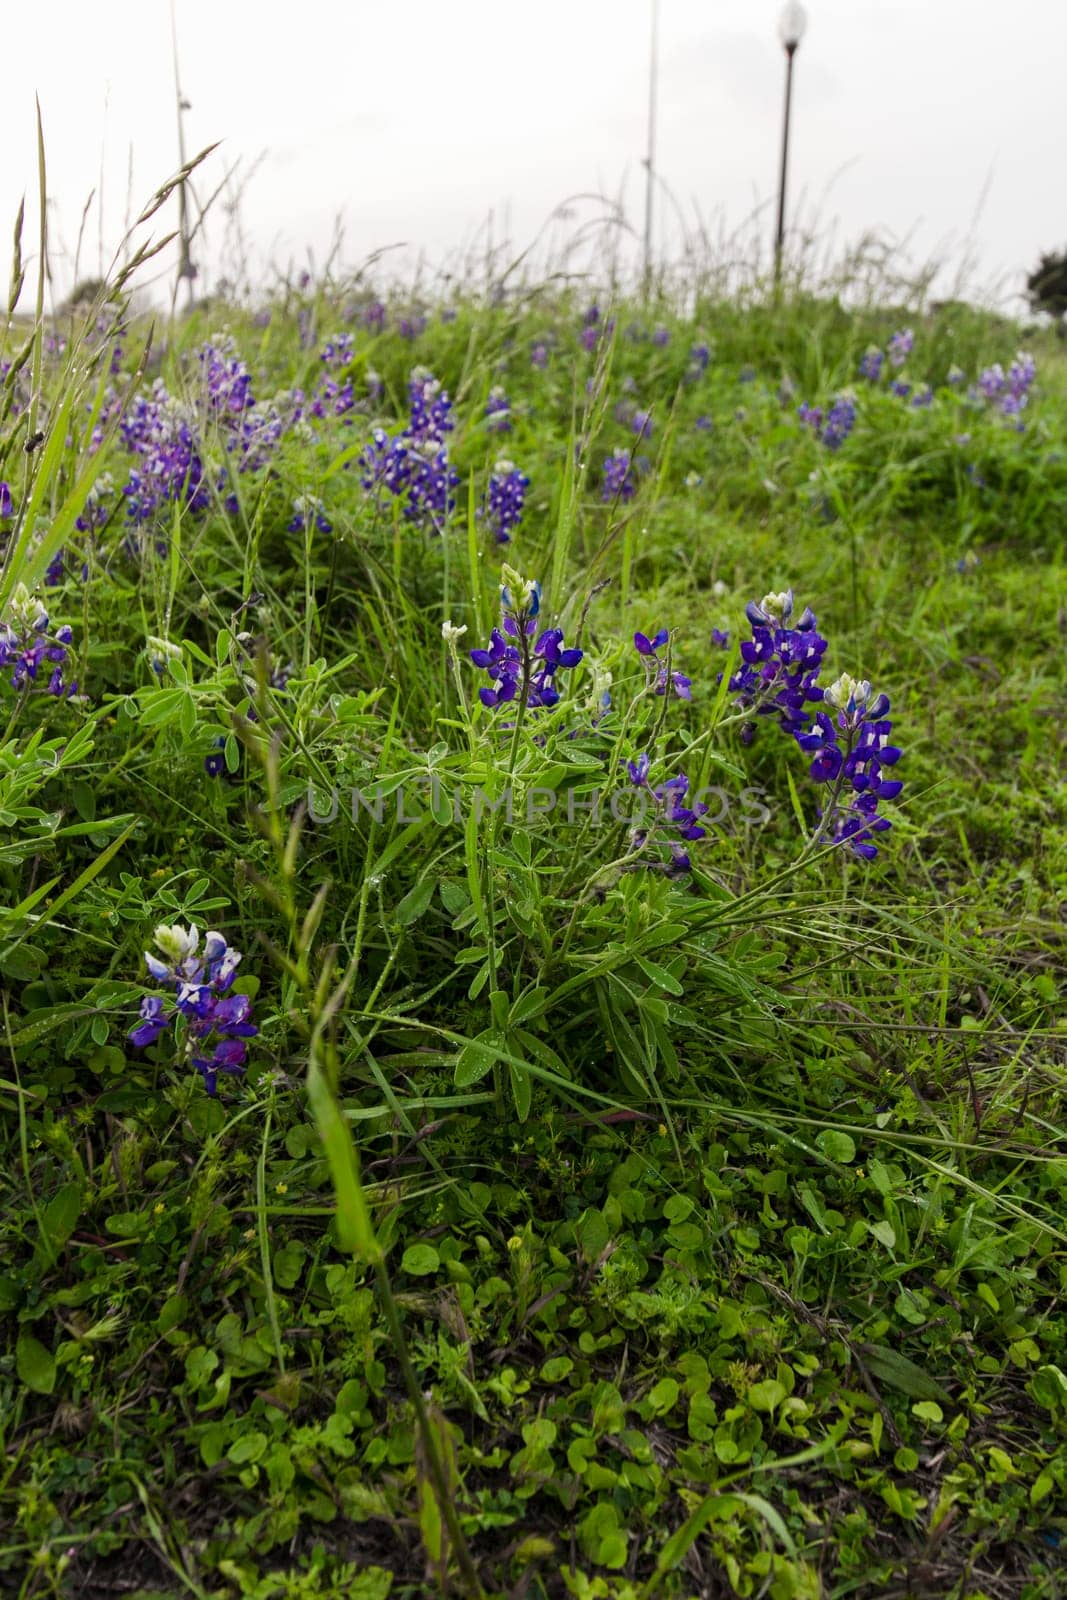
(573, 1231)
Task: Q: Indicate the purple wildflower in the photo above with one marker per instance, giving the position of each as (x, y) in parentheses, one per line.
(900, 347)
(505, 499)
(27, 644)
(618, 477)
(851, 752)
(670, 815)
(216, 1022)
(498, 412)
(309, 509)
(337, 352)
(871, 363)
(649, 650)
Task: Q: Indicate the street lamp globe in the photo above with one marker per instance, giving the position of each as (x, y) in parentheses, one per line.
(791, 25)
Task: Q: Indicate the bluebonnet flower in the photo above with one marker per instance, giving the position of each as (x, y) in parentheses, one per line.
(373, 316)
(720, 637)
(431, 409)
(7, 509)
(900, 347)
(850, 752)
(226, 383)
(991, 381)
(96, 511)
(448, 314)
(649, 650)
(332, 399)
(811, 417)
(671, 814)
(215, 762)
(26, 644)
(429, 496)
(955, 376)
(641, 424)
(871, 363)
(308, 508)
(699, 359)
(216, 1022)
(161, 432)
(900, 387)
(923, 397)
(385, 463)
(522, 671)
(498, 411)
(780, 663)
(506, 664)
(835, 427)
(505, 499)
(412, 326)
(337, 352)
(840, 421)
(618, 477)
(1021, 375)
(416, 465)
(539, 354)
(661, 337)
(595, 330)
(704, 423)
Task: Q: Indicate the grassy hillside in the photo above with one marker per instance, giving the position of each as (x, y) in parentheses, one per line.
(571, 1191)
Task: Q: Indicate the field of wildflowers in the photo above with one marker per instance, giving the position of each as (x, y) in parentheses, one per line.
(531, 950)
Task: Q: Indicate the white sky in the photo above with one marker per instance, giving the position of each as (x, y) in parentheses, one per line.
(412, 119)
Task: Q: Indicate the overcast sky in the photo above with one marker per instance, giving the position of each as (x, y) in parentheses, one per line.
(936, 121)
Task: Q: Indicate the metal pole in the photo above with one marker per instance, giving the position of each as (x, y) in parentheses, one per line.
(186, 269)
(653, 73)
(779, 235)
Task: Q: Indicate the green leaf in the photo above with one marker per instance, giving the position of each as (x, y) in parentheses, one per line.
(593, 1234)
(900, 1373)
(35, 1364)
(521, 1090)
(477, 1057)
(766, 1396)
(415, 903)
(660, 976)
(60, 1217)
(1049, 1388)
(420, 1260)
(837, 1146)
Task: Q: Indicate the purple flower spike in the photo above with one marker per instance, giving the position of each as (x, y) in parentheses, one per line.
(215, 1021)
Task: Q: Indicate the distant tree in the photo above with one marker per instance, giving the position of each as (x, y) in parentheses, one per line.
(84, 295)
(1048, 286)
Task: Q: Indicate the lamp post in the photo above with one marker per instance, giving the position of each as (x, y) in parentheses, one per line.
(650, 158)
(791, 25)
